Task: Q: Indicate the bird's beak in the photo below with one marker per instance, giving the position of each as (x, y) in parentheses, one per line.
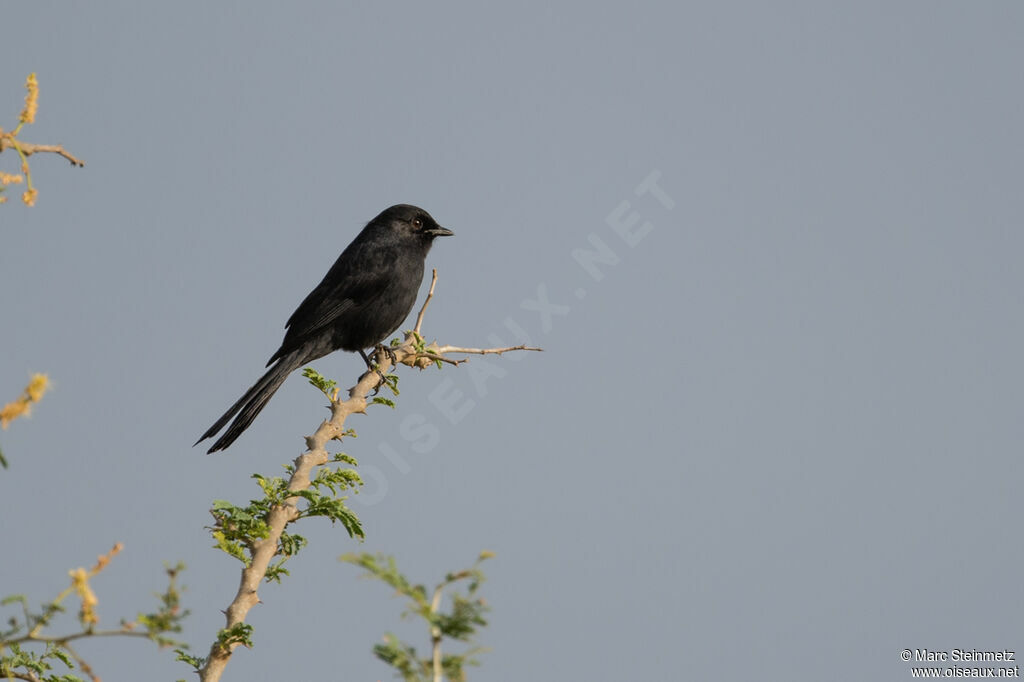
(440, 232)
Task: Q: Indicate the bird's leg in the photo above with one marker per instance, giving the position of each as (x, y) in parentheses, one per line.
(388, 351)
(370, 365)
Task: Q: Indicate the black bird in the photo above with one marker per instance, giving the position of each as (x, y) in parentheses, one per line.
(363, 299)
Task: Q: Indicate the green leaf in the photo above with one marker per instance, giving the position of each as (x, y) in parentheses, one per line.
(326, 386)
(230, 547)
(239, 633)
(61, 655)
(342, 457)
(461, 623)
(11, 599)
(290, 544)
(336, 480)
(402, 658)
(197, 662)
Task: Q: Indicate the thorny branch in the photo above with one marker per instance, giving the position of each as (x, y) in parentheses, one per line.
(264, 550)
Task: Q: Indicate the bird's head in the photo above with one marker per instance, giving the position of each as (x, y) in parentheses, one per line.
(412, 221)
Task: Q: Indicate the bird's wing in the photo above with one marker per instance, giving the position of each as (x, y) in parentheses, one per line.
(342, 289)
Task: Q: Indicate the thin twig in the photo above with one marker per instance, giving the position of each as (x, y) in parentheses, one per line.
(434, 353)
(430, 295)
(85, 667)
(435, 633)
(481, 351)
(62, 639)
(28, 149)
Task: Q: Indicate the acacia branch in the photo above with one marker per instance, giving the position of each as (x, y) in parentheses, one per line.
(82, 665)
(435, 634)
(264, 550)
(430, 295)
(8, 141)
(61, 640)
(434, 353)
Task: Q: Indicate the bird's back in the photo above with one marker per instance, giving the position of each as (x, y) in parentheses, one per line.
(363, 298)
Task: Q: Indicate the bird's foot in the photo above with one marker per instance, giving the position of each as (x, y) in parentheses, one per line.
(380, 348)
(388, 351)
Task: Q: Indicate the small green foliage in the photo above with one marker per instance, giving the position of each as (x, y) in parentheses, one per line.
(460, 623)
(417, 339)
(402, 658)
(465, 616)
(337, 480)
(168, 617)
(327, 386)
(24, 630)
(383, 568)
(238, 529)
(332, 505)
(229, 546)
(291, 543)
(197, 662)
(453, 666)
(275, 489)
(38, 665)
(342, 457)
(275, 571)
(334, 509)
(13, 599)
(287, 546)
(239, 634)
(380, 400)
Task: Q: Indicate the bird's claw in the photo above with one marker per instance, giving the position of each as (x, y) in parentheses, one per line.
(383, 380)
(388, 351)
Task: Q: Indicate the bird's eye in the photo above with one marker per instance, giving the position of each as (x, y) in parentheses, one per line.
(417, 223)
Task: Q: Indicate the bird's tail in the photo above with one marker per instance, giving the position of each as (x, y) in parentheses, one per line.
(250, 404)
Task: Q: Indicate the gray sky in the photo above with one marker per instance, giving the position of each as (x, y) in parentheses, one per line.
(777, 438)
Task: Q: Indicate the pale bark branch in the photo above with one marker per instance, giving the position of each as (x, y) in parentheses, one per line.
(62, 639)
(28, 149)
(264, 550)
(430, 295)
(435, 634)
